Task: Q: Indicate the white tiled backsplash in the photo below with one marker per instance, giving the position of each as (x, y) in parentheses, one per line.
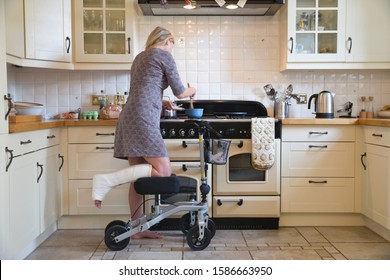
(223, 57)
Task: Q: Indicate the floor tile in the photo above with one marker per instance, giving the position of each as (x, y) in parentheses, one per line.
(75, 237)
(151, 255)
(364, 251)
(311, 234)
(217, 255)
(62, 253)
(349, 234)
(294, 254)
(280, 236)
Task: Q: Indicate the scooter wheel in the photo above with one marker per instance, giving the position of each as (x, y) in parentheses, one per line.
(193, 238)
(211, 226)
(115, 223)
(109, 238)
(185, 223)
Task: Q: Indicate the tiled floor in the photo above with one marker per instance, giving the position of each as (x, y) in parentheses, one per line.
(286, 243)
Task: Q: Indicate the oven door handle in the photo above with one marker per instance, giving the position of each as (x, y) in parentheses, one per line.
(185, 167)
(240, 144)
(239, 202)
(184, 143)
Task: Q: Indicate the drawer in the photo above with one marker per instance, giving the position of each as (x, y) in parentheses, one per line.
(318, 159)
(377, 135)
(27, 142)
(95, 134)
(318, 133)
(246, 206)
(179, 150)
(81, 203)
(86, 160)
(318, 195)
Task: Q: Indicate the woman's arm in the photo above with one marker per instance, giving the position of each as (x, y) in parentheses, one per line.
(188, 92)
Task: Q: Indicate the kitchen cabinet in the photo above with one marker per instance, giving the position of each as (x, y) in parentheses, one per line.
(33, 193)
(38, 32)
(329, 34)
(90, 152)
(376, 190)
(318, 169)
(104, 31)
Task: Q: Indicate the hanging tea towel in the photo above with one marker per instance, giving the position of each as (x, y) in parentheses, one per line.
(263, 143)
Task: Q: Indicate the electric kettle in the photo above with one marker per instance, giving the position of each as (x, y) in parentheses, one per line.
(324, 104)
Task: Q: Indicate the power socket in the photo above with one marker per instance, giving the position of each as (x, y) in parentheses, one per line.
(302, 98)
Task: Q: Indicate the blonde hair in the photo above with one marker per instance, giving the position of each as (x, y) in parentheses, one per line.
(158, 37)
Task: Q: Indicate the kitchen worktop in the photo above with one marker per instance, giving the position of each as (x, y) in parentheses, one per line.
(29, 126)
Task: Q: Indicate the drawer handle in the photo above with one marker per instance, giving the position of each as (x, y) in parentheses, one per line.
(318, 133)
(318, 146)
(185, 167)
(105, 134)
(318, 182)
(11, 152)
(25, 142)
(51, 136)
(377, 135)
(239, 202)
(104, 148)
(184, 144)
(361, 160)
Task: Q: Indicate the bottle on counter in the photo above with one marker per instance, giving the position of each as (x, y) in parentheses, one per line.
(363, 112)
(370, 107)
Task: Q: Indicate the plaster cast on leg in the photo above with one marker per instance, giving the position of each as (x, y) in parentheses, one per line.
(103, 183)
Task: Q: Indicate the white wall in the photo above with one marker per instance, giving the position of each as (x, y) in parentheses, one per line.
(223, 57)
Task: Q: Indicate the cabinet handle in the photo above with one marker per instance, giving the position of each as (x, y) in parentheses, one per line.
(104, 148)
(11, 152)
(318, 133)
(105, 134)
(361, 160)
(50, 136)
(41, 171)
(318, 182)
(185, 167)
(377, 135)
(184, 144)
(292, 44)
(350, 44)
(25, 142)
(240, 144)
(129, 45)
(318, 146)
(62, 162)
(239, 202)
(10, 105)
(67, 40)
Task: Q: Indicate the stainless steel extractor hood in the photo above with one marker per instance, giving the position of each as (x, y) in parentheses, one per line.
(210, 8)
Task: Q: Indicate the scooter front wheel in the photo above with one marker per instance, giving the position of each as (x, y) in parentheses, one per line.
(109, 238)
(193, 238)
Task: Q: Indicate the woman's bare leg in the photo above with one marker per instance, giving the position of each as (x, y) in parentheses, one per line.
(161, 167)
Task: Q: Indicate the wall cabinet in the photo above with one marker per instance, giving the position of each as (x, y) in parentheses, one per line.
(103, 31)
(376, 191)
(39, 30)
(318, 169)
(324, 34)
(33, 174)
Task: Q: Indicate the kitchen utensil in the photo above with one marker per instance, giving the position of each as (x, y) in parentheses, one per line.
(323, 104)
(191, 99)
(28, 108)
(194, 113)
(281, 109)
(347, 107)
(270, 91)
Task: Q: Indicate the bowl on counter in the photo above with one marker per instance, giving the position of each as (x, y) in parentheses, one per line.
(28, 108)
(383, 114)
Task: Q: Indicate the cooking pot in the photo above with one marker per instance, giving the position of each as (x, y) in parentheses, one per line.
(169, 113)
(323, 104)
(194, 113)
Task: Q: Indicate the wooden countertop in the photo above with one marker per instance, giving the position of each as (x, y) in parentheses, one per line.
(29, 126)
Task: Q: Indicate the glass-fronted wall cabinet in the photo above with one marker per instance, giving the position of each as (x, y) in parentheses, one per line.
(103, 30)
(315, 30)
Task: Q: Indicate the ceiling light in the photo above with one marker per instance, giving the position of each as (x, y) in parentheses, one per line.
(231, 6)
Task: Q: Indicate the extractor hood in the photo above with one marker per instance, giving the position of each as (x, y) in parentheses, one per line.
(210, 7)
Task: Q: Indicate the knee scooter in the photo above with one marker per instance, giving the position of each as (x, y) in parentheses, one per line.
(196, 224)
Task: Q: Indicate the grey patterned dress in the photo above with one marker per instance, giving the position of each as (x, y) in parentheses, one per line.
(138, 128)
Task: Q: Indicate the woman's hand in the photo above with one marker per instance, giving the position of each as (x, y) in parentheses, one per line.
(168, 104)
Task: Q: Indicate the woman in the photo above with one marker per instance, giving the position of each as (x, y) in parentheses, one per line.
(138, 138)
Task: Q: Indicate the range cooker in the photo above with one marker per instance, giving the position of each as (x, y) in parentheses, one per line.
(240, 197)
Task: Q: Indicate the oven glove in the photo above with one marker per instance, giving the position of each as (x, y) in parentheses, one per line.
(263, 143)
(103, 183)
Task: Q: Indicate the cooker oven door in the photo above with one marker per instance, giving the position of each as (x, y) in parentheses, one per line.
(238, 177)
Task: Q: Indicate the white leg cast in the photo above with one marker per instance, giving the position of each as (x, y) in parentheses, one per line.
(103, 183)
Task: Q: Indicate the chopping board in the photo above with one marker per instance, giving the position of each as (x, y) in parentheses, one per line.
(24, 118)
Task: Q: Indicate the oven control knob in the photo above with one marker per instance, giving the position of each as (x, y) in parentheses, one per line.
(191, 132)
(182, 133)
(172, 132)
(163, 132)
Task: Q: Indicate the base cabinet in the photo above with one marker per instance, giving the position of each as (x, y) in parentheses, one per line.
(376, 192)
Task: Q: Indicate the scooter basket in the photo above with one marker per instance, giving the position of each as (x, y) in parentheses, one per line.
(216, 151)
